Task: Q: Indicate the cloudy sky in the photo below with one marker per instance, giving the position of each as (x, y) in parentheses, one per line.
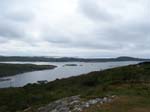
(78, 28)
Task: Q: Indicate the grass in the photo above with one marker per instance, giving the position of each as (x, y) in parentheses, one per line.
(123, 104)
(13, 69)
(131, 84)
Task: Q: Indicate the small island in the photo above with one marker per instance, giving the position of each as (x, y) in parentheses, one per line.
(70, 65)
(14, 69)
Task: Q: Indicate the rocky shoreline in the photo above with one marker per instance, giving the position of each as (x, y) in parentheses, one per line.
(74, 104)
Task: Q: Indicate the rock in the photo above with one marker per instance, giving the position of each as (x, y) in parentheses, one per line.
(73, 104)
(105, 99)
(113, 96)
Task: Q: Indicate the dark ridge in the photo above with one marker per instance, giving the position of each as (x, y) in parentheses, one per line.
(68, 59)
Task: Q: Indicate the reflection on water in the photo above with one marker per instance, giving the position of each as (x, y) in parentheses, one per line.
(60, 72)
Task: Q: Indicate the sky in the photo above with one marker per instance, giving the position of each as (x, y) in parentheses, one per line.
(75, 28)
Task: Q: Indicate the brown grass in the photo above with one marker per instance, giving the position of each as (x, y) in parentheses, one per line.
(121, 104)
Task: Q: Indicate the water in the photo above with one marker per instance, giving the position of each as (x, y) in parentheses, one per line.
(60, 72)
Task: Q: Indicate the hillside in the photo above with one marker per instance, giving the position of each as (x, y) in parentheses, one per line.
(131, 85)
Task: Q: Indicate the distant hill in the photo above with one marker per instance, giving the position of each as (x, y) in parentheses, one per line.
(126, 58)
(68, 59)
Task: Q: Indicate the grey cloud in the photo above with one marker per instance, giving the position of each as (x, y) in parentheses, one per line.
(123, 33)
(15, 10)
(91, 10)
(13, 19)
(55, 35)
(125, 40)
(3, 40)
(10, 31)
(19, 16)
(57, 39)
(129, 33)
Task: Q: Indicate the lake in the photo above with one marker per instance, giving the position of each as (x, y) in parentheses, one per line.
(58, 73)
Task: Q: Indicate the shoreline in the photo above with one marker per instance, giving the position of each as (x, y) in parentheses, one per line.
(8, 69)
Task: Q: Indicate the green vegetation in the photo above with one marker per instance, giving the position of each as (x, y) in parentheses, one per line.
(131, 84)
(13, 69)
